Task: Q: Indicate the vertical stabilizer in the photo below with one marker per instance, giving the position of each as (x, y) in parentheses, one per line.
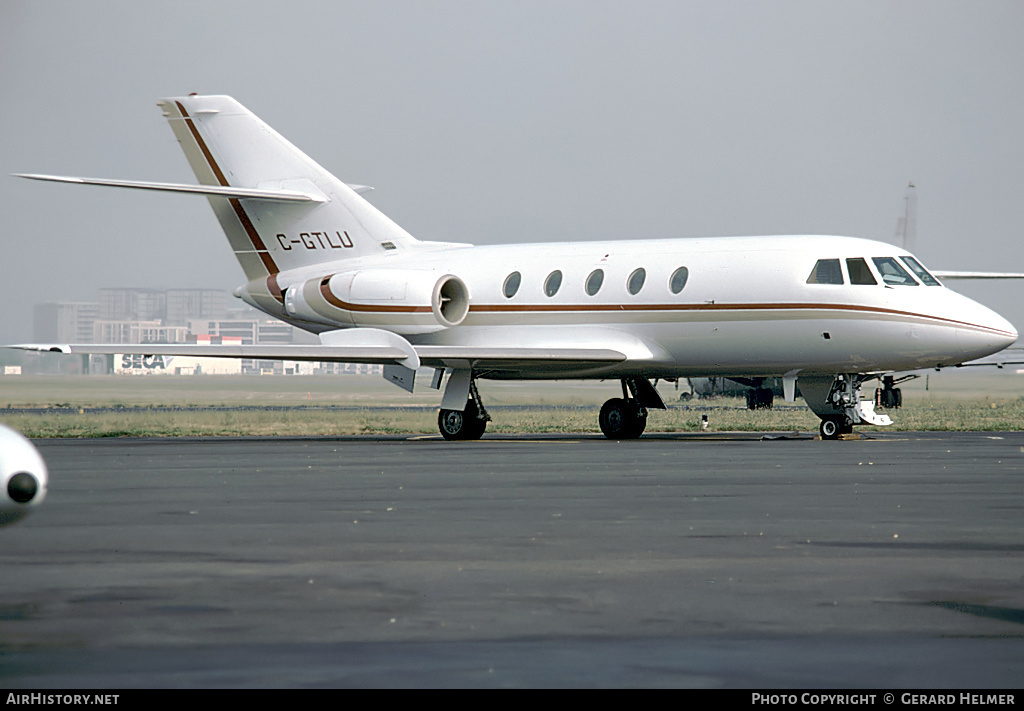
(228, 146)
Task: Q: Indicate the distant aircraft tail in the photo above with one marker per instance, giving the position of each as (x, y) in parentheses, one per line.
(278, 208)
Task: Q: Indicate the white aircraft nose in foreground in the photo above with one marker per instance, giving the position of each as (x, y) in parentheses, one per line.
(832, 312)
(23, 476)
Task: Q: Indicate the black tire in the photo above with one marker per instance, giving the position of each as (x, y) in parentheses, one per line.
(760, 399)
(639, 416)
(831, 427)
(459, 425)
(622, 419)
(891, 399)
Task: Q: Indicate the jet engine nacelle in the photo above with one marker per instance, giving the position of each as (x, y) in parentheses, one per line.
(23, 475)
(405, 301)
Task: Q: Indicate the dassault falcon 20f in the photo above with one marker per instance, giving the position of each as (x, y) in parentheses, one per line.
(831, 312)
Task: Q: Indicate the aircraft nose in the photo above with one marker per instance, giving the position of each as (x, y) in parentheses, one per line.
(987, 333)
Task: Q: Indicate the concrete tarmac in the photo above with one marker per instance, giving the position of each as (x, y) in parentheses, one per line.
(700, 560)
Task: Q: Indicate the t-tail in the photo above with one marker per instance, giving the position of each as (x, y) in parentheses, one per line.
(279, 209)
(306, 215)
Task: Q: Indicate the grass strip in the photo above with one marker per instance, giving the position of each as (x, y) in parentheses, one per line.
(724, 414)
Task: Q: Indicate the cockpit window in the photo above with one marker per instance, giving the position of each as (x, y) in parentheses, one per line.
(826, 271)
(892, 273)
(859, 271)
(920, 272)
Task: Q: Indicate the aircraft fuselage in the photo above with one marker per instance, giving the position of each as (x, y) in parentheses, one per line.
(742, 307)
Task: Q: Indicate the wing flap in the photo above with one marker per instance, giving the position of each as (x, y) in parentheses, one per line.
(439, 356)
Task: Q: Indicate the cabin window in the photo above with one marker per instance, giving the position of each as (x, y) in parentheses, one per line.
(859, 271)
(678, 279)
(594, 281)
(636, 281)
(512, 282)
(920, 272)
(553, 283)
(892, 273)
(826, 271)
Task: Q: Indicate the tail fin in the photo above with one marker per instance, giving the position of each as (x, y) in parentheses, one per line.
(229, 147)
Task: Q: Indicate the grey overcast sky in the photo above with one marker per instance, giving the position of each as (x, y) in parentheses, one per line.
(489, 122)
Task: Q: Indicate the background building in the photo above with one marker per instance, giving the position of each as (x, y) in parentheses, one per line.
(132, 304)
(183, 305)
(64, 321)
(142, 315)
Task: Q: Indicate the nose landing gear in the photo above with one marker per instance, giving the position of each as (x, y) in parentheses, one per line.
(842, 407)
(833, 426)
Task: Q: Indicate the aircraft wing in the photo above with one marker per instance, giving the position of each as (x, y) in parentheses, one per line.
(977, 275)
(520, 362)
(432, 356)
(338, 353)
(1014, 355)
(400, 360)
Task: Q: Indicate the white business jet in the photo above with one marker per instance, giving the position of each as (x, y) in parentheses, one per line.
(833, 312)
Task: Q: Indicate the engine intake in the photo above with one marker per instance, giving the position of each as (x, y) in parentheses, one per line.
(450, 301)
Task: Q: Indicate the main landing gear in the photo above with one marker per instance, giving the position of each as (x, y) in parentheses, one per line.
(622, 418)
(760, 398)
(888, 396)
(464, 424)
(626, 417)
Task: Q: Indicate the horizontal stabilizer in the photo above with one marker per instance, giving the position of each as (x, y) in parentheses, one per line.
(209, 190)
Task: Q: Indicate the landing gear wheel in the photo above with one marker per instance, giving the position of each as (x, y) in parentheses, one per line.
(622, 419)
(889, 398)
(459, 425)
(829, 428)
(832, 427)
(760, 399)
